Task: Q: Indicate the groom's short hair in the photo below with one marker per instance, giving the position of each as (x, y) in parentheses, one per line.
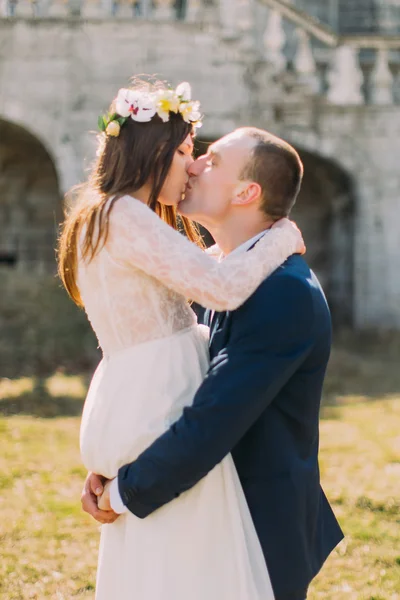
(277, 168)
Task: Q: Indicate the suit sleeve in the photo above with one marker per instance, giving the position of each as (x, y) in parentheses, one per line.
(271, 336)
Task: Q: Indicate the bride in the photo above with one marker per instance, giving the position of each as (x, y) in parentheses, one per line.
(123, 260)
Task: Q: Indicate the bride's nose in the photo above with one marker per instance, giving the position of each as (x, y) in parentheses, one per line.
(190, 161)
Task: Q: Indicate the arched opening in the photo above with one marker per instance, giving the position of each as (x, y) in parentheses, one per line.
(325, 213)
(30, 201)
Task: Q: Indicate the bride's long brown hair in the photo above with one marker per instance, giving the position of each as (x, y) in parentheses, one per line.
(142, 154)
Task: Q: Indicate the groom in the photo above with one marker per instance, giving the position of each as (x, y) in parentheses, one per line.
(261, 397)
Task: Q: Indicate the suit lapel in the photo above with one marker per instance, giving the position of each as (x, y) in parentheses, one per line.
(207, 317)
(217, 323)
(218, 332)
(217, 319)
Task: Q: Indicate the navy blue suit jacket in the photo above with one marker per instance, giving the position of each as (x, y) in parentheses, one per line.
(260, 400)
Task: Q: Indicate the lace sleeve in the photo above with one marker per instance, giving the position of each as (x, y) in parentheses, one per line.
(139, 238)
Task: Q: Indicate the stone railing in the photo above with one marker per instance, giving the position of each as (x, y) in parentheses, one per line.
(183, 10)
(347, 69)
(330, 64)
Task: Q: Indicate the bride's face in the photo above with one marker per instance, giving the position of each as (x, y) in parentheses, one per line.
(175, 184)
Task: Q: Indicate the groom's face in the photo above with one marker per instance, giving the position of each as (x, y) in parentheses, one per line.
(214, 179)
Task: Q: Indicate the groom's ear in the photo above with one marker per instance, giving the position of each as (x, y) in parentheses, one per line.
(246, 192)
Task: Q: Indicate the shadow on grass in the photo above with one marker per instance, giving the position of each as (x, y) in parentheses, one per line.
(363, 367)
(39, 402)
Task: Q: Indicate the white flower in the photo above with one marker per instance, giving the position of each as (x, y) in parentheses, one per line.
(167, 101)
(146, 108)
(124, 100)
(138, 105)
(190, 111)
(185, 91)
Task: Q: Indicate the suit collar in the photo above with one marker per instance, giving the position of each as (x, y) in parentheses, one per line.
(215, 320)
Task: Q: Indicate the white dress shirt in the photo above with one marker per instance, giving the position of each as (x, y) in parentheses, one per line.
(248, 243)
(115, 498)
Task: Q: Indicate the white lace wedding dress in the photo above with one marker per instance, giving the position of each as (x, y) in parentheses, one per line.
(203, 545)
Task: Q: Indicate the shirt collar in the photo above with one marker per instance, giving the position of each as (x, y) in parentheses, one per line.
(246, 245)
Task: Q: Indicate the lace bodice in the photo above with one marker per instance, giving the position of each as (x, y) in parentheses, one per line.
(136, 288)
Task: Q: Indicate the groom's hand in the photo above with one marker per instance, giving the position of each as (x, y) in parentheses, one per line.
(93, 488)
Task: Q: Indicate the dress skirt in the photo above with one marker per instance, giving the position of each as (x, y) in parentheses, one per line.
(201, 546)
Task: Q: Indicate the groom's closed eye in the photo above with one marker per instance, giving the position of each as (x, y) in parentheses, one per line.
(213, 159)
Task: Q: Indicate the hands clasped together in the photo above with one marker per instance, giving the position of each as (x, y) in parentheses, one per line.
(95, 499)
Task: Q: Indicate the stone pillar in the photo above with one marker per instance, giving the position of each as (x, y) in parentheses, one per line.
(108, 7)
(58, 9)
(4, 8)
(228, 12)
(345, 77)
(43, 8)
(145, 7)
(93, 9)
(382, 79)
(274, 41)
(74, 8)
(193, 11)
(259, 16)
(21, 8)
(164, 10)
(246, 24)
(304, 62)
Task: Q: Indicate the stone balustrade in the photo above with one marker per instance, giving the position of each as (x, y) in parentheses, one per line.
(183, 10)
(325, 62)
(337, 70)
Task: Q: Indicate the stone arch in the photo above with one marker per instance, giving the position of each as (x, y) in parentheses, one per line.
(325, 212)
(30, 200)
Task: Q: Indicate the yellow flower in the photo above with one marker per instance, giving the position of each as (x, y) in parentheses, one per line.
(167, 101)
(113, 129)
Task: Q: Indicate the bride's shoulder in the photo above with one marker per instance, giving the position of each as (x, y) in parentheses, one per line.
(128, 204)
(128, 209)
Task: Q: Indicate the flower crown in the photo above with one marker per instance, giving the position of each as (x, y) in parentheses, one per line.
(143, 106)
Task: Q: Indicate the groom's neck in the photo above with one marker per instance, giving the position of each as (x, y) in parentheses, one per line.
(229, 237)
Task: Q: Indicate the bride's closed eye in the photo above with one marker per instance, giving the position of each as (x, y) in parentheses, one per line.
(183, 153)
(188, 153)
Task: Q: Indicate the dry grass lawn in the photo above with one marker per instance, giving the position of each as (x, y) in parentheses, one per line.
(49, 547)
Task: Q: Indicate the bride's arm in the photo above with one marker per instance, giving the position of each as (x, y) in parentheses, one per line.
(139, 238)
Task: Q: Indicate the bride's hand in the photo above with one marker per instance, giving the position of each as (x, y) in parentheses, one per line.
(287, 224)
(103, 501)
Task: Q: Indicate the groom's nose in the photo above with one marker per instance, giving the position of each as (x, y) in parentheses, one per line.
(197, 166)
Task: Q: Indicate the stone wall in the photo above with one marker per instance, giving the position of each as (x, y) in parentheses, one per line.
(364, 141)
(57, 75)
